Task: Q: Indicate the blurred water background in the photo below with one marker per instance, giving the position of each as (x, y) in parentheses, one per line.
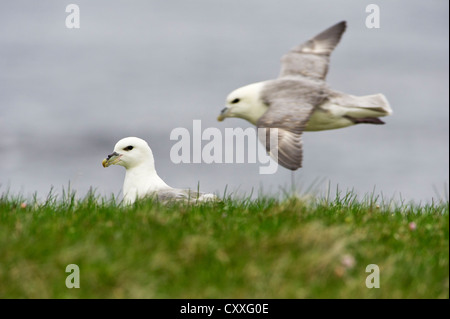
(143, 68)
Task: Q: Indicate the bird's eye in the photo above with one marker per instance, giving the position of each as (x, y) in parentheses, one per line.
(235, 101)
(128, 148)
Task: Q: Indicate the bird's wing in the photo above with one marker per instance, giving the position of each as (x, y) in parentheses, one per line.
(183, 195)
(311, 58)
(291, 103)
(283, 146)
(284, 123)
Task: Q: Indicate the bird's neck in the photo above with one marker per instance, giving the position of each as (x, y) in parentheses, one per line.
(142, 180)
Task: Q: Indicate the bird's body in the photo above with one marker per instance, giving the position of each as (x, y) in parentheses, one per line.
(336, 110)
(141, 178)
(300, 99)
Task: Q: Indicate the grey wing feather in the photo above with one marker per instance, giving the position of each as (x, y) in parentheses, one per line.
(285, 147)
(183, 195)
(289, 120)
(290, 116)
(311, 58)
(170, 195)
(291, 103)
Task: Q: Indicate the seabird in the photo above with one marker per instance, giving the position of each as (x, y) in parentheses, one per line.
(300, 99)
(141, 179)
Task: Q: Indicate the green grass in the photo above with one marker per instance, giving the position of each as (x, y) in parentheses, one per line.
(264, 248)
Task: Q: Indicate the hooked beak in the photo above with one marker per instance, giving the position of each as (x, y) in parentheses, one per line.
(223, 114)
(112, 159)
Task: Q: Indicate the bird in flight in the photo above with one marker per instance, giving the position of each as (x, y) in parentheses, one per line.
(300, 100)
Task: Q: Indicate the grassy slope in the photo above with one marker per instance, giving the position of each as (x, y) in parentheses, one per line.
(233, 249)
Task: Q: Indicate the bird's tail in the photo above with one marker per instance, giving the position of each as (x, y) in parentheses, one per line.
(364, 107)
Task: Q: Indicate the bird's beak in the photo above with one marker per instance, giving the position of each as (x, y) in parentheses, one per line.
(223, 114)
(112, 159)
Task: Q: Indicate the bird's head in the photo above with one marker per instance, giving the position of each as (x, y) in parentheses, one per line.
(130, 152)
(244, 103)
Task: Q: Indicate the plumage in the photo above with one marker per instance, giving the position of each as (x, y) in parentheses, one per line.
(141, 179)
(311, 58)
(300, 100)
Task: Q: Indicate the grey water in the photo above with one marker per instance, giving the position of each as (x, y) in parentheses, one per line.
(144, 68)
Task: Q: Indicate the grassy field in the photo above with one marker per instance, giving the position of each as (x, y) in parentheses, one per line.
(265, 248)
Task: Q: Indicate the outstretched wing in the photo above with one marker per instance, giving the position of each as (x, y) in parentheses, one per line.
(284, 147)
(287, 120)
(291, 103)
(311, 58)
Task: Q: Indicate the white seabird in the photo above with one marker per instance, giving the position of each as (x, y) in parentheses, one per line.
(141, 178)
(300, 99)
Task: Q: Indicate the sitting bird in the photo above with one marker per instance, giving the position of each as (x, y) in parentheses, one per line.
(141, 178)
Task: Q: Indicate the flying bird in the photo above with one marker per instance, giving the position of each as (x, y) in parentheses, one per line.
(300, 99)
(141, 178)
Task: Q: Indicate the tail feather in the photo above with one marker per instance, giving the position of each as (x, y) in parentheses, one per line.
(366, 120)
(360, 107)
